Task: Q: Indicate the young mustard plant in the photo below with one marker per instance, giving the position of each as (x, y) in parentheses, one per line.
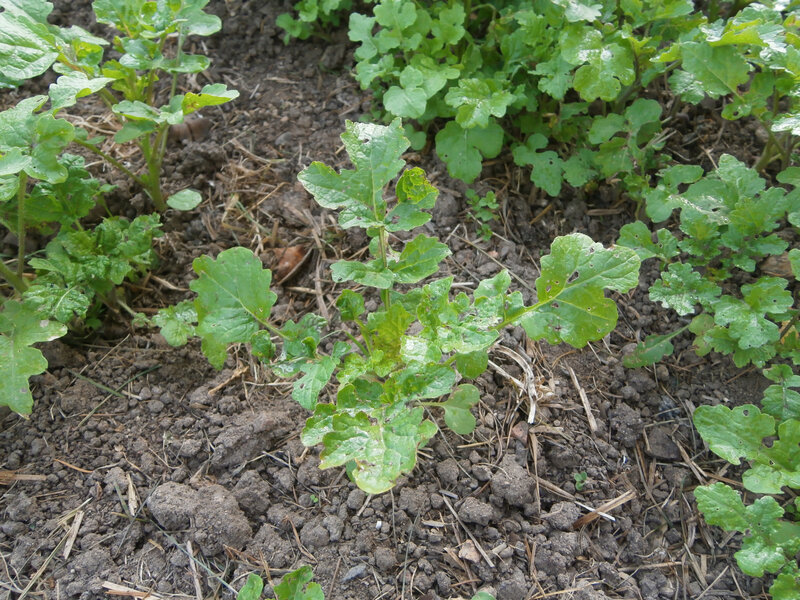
(44, 189)
(414, 354)
(146, 30)
(728, 219)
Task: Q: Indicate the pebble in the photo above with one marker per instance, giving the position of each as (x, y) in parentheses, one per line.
(355, 572)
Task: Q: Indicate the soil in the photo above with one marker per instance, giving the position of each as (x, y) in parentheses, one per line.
(156, 474)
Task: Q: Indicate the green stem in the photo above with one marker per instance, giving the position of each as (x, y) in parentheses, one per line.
(153, 161)
(21, 231)
(112, 160)
(9, 275)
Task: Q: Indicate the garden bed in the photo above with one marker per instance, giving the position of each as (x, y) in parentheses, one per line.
(143, 468)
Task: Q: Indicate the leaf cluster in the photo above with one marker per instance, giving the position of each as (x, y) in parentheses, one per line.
(298, 585)
(728, 224)
(531, 75)
(45, 189)
(415, 352)
(29, 46)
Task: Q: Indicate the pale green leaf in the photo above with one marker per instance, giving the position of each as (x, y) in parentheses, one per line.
(20, 327)
(68, 88)
(571, 304)
(185, 199)
(211, 95)
(233, 299)
(457, 407)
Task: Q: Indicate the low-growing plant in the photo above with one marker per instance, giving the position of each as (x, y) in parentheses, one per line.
(150, 44)
(393, 362)
(298, 585)
(728, 221)
(46, 190)
(482, 209)
(562, 82)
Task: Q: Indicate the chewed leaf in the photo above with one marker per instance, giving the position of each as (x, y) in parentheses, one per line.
(382, 450)
(20, 327)
(571, 303)
(733, 434)
(233, 299)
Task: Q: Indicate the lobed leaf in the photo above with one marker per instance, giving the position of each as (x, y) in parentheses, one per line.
(463, 150)
(20, 327)
(571, 304)
(233, 300)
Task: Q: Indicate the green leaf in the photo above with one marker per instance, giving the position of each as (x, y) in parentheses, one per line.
(738, 433)
(682, 288)
(177, 322)
(475, 100)
(211, 95)
(350, 305)
(639, 238)
(185, 200)
(251, 590)
(462, 150)
(769, 541)
(733, 434)
(233, 299)
(652, 350)
(375, 151)
(457, 407)
(472, 364)
(68, 88)
(372, 273)
(27, 47)
(59, 302)
(415, 195)
(547, 167)
(419, 259)
(571, 305)
(20, 328)
(722, 506)
(382, 450)
(296, 586)
(716, 70)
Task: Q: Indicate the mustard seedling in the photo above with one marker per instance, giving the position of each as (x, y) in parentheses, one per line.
(413, 356)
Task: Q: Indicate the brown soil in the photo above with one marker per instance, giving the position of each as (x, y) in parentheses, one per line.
(161, 475)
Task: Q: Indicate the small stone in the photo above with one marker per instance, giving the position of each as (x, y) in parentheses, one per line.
(355, 572)
(562, 515)
(476, 511)
(469, 552)
(448, 471)
(385, 558)
(661, 446)
(355, 499)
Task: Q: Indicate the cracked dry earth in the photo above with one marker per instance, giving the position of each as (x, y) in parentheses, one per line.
(144, 473)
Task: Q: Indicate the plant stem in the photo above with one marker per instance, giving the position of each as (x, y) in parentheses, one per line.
(18, 283)
(153, 161)
(21, 194)
(112, 160)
